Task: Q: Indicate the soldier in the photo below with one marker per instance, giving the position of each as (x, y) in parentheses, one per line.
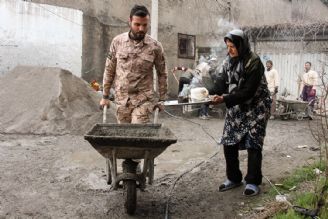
(130, 63)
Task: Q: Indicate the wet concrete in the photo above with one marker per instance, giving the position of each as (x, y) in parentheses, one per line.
(192, 146)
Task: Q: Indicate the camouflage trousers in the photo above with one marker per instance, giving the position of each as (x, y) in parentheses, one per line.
(134, 114)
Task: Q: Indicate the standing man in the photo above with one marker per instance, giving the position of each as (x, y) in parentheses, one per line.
(130, 63)
(273, 80)
(309, 83)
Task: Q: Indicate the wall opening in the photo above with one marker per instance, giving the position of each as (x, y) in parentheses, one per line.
(41, 35)
(186, 46)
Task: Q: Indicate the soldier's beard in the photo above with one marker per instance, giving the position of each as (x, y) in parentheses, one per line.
(136, 35)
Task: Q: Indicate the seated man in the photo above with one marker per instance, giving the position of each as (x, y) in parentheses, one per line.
(194, 78)
(185, 77)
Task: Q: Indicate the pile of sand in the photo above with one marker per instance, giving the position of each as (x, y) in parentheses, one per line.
(42, 100)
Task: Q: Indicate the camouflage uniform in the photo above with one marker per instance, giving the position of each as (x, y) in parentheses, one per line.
(130, 64)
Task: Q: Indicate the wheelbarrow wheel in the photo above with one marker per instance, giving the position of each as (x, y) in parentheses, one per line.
(130, 188)
(299, 116)
(285, 117)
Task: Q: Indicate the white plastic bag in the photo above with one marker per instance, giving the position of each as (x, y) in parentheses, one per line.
(198, 94)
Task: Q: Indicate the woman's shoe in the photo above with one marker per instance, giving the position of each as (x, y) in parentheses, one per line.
(251, 190)
(227, 185)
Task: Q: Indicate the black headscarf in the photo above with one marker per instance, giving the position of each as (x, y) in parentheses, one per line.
(240, 40)
(235, 66)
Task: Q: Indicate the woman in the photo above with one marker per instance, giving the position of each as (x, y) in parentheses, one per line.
(240, 83)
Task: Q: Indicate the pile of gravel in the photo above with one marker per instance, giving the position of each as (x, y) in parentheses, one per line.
(43, 100)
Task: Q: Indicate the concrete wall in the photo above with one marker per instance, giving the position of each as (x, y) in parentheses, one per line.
(31, 34)
(99, 31)
(208, 20)
(259, 12)
(243, 12)
(196, 16)
(94, 49)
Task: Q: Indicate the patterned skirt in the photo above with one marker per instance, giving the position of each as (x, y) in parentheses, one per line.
(246, 127)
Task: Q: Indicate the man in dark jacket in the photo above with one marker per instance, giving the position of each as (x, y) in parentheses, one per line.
(240, 83)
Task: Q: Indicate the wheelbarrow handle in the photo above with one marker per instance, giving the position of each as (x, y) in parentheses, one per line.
(156, 115)
(105, 114)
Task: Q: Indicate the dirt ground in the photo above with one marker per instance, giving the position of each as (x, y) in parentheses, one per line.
(64, 177)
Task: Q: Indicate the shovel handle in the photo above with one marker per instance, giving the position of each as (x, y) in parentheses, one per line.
(156, 115)
(175, 77)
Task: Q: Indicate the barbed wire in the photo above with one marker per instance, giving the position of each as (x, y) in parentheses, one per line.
(291, 31)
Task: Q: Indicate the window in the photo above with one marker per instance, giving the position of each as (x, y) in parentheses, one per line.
(186, 46)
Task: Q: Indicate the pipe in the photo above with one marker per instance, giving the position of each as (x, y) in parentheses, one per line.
(154, 34)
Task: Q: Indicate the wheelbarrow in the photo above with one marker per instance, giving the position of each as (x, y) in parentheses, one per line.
(291, 108)
(128, 142)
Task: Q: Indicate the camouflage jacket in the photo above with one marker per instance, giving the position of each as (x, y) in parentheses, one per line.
(130, 64)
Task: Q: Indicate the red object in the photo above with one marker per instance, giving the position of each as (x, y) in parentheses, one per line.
(312, 93)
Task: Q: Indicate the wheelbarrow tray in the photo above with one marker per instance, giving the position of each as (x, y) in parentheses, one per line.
(294, 105)
(176, 103)
(130, 140)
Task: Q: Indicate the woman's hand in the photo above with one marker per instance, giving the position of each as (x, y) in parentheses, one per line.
(216, 99)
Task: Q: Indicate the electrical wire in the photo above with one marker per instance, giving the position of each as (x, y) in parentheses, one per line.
(52, 12)
(191, 169)
(180, 118)
(199, 164)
